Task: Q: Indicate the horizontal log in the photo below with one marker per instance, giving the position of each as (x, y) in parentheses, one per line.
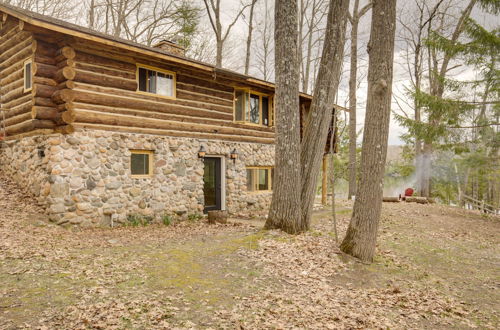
(207, 83)
(44, 102)
(105, 80)
(65, 129)
(175, 133)
(68, 117)
(111, 100)
(12, 86)
(168, 116)
(419, 200)
(12, 95)
(94, 117)
(68, 84)
(43, 90)
(105, 62)
(183, 94)
(14, 120)
(106, 70)
(11, 51)
(39, 58)
(65, 73)
(204, 90)
(17, 101)
(44, 70)
(8, 33)
(131, 95)
(18, 109)
(38, 112)
(390, 199)
(13, 76)
(66, 62)
(14, 38)
(46, 49)
(44, 81)
(21, 55)
(63, 96)
(66, 52)
(29, 125)
(66, 107)
(6, 71)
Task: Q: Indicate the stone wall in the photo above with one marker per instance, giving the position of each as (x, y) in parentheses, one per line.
(85, 178)
(26, 163)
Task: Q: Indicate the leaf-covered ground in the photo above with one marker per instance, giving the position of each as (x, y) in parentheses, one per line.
(436, 267)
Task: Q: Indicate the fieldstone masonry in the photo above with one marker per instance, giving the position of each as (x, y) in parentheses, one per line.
(84, 178)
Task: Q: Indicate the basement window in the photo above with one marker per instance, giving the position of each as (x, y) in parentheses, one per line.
(141, 163)
(156, 81)
(253, 108)
(28, 75)
(260, 178)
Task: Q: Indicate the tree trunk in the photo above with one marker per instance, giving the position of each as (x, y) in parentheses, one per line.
(285, 210)
(426, 167)
(352, 101)
(249, 39)
(320, 115)
(361, 235)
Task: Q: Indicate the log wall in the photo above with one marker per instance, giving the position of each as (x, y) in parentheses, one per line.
(16, 46)
(84, 84)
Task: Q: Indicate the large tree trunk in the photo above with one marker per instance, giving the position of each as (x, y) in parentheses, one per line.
(320, 115)
(285, 210)
(361, 235)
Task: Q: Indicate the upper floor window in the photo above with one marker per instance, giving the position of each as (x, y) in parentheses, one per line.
(156, 81)
(28, 75)
(252, 107)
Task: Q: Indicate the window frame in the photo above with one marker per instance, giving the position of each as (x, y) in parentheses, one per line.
(270, 108)
(156, 69)
(25, 63)
(150, 153)
(255, 184)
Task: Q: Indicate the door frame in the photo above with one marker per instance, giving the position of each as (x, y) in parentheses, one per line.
(222, 180)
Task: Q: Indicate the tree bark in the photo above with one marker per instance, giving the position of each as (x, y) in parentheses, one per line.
(361, 235)
(320, 115)
(284, 212)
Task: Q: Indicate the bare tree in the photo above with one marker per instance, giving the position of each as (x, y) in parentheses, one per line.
(249, 38)
(311, 33)
(213, 8)
(320, 114)
(361, 235)
(354, 20)
(265, 43)
(284, 212)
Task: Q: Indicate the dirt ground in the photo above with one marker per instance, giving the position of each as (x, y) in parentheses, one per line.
(436, 267)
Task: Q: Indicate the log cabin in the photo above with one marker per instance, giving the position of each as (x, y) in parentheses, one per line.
(98, 128)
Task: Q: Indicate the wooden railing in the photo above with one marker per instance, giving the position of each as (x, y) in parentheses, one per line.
(479, 205)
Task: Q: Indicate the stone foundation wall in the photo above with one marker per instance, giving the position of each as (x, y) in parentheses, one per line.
(84, 178)
(25, 162)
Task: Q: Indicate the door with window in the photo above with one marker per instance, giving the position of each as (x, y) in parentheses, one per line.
(212, 184)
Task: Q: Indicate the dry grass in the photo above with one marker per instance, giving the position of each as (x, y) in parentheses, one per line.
(436, 267)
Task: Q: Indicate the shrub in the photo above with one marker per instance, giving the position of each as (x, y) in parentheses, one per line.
(135, 220)
(167, 220)
(194, 217)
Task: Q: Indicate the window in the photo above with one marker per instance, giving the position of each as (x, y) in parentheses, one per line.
(252, 107)
(156, 81)
(141, 163)
(28, 75)
(260, 178)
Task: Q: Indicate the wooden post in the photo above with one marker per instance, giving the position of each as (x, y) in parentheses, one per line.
(324, 186)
